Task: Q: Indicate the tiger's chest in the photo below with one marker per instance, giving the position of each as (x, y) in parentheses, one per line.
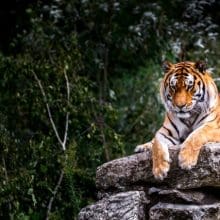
(186, 127)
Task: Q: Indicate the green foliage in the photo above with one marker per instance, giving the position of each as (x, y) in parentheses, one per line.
(111, 53)
(139, 104)
(33, 158)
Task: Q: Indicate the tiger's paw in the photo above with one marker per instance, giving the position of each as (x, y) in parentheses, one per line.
(188, 157)
(160, 169)
(143, 147)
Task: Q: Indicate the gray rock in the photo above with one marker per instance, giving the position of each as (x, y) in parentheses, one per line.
(127, 189)
(199, 197)
(183, 197)
(165, 211)
(123, 173)
(122, 206)
(126, 171)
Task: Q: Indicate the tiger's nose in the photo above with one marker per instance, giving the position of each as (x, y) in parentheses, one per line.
(180, 99)
(180, 105)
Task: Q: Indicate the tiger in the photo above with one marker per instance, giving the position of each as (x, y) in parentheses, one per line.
(192, 118)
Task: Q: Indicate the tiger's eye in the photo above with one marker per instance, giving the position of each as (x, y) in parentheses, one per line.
(172, 83)
(190, 82)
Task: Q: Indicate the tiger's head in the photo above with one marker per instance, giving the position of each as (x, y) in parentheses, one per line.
(188, 89)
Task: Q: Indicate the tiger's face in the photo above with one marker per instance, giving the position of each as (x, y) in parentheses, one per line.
(183, 89)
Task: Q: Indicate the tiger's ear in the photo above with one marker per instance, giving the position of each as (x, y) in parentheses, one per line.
(201, 66)
(166, 66)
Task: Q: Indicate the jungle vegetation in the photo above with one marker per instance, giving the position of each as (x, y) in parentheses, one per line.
(79, 84)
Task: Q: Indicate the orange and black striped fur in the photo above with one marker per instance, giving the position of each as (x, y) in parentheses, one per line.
(192, 119)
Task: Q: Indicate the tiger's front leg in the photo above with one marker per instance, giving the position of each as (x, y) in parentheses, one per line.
(191, 147)
(160, 153)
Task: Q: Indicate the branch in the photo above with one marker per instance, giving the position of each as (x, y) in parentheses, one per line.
(67, 114)
(66, 130)
(49, 112)
(54, 194)
(62, 143)
(7, 181)
(67, 86)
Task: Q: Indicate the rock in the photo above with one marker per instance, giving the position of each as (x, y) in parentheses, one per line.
(205, 196)
(122, 206)
(123, 172)
(136, 170)
(165, 211)
(182, 197)
(127, 189)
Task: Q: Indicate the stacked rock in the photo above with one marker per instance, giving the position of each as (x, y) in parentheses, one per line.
(127, 189)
